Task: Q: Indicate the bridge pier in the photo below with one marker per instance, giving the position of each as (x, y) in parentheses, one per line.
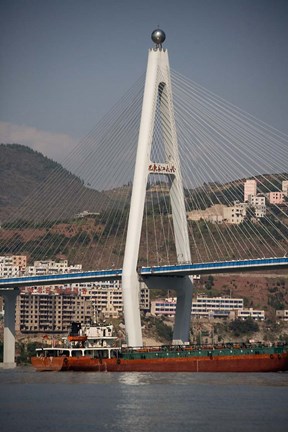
(131, 287)
(184, 291)
(184, 288)
(9, 329)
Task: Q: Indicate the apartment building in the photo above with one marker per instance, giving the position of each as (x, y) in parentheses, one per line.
(276, 197)
(12, 265)
(250, 189)
(50, 313)
(203, 307)
(53, 308)
(282, 315)
(257, 200)
(212, 214)
(207, 306)
(107, 298)
(285, 187)
(236, 213)
(260, 211)
(50, 267)
(252, 313)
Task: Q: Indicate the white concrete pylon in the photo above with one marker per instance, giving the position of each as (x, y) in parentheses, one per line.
(9, 328)
(157, 92)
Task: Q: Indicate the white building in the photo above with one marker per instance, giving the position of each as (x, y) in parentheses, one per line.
(12, 265)
(214, 306)
(257, 200)
(236, 213)
(164, 307)
(85, 213)
(201, 307)
(214, 214)
(260, 211)
(106, 297)
(255, 314)
(250, 188)
(258, 203)
(51, 267)
(282, 315)
(9, 271)
(285, 187)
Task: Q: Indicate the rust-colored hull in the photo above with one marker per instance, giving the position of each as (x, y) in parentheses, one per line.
(43, 364)
(241, 363)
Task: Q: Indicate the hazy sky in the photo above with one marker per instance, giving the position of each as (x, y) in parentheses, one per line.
(64, 63)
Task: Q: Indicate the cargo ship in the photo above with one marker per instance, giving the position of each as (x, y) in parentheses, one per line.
(93, 348)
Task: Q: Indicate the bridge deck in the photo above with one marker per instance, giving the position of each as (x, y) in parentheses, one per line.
(167, 271)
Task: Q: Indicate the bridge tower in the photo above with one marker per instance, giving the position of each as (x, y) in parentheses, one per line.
(157, 95)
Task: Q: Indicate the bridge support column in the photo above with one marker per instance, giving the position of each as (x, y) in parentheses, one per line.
(131, 288)
(184, 291)
(9, 328)
(184, 288)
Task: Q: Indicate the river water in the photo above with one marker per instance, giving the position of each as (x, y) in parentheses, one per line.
(87, 401)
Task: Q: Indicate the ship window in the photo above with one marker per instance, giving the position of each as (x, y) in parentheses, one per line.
(90, 353)
(76, 353)
(64, 353)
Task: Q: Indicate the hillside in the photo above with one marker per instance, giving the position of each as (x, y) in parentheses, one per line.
(27, 174)
(37, 191)
(259, 290)
(23, 171)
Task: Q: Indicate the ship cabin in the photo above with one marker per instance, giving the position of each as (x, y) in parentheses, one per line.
(89, 340)
(96, 352)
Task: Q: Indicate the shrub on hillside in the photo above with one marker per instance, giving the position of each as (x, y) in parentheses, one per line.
(163, 330)
(239, 327)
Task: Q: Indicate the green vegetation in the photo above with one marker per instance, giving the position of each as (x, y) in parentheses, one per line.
(24, 224)
(157, 328)
(209, 283)
(158, 205)
(241, 327)
(26, 351)
(214, 194)
(114, 221)
(163, 330)
(271, 182)
(276, 300)
(31, 171)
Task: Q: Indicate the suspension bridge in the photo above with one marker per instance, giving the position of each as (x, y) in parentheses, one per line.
(179, 210)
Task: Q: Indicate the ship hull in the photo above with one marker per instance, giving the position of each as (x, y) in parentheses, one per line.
(241, 363)
(49, 364)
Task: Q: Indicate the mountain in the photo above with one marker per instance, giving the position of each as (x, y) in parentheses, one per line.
(26, 182)
(30, 180)
(37, 193)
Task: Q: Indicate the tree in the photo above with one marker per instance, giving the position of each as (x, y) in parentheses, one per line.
(239, 327)
(209, 283)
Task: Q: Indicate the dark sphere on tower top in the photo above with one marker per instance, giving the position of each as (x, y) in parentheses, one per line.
(158, 36)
